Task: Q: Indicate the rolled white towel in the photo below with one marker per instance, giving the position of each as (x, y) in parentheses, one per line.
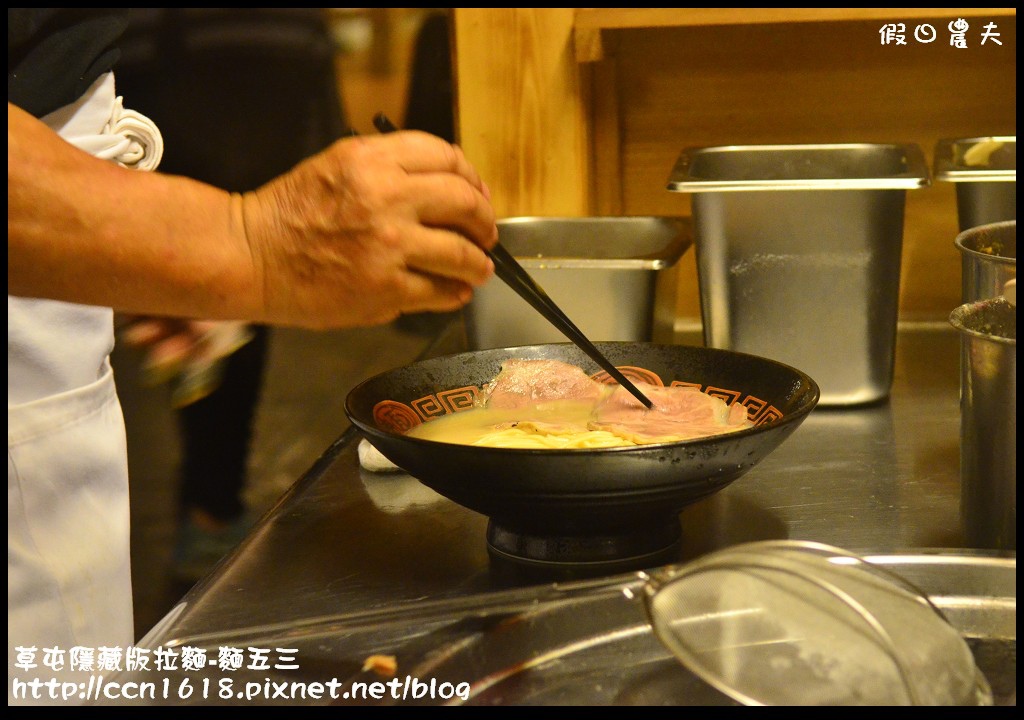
(99, 123)
(145, 145)
(370, 458)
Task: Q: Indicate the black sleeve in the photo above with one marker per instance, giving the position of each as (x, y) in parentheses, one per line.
(55, 54)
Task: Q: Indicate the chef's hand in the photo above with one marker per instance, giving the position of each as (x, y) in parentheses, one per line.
(373, 227)
(171, 345)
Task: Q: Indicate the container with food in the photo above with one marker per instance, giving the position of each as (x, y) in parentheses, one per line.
(613, 276)
(798, 255)
(988, 256)
(985, 172)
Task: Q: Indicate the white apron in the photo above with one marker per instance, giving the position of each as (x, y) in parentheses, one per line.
(68, 571)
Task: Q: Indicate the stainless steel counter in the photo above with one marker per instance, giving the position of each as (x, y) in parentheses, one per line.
(344, 542)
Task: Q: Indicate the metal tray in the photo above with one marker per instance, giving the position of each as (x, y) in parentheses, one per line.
(576, 643)
(600, 650)
(616, 277)
(985, 172)
(799, 251)
(977, 159)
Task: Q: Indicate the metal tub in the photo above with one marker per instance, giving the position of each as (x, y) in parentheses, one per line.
(798, 255)
(988, 422)
(985, 172)
(989, 259)
(615, 277)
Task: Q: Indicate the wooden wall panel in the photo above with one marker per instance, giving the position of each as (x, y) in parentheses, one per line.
(521, 108)
(555, 136)
(829, 82)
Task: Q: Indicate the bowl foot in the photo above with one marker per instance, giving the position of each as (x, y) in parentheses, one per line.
(517, 553)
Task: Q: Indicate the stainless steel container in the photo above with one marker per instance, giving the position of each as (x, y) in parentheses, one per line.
(989, 258)
(988, 425)
(798, 255)
(985, 172)
(615, 277)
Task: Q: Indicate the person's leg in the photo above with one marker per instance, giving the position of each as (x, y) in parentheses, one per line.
(216, 433)
(430, 99)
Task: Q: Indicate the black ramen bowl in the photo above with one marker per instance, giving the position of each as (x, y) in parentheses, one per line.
(596, 505)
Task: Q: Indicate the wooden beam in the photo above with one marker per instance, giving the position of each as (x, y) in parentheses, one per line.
(521, 117)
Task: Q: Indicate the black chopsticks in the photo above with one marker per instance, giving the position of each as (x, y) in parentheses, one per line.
(515, 276)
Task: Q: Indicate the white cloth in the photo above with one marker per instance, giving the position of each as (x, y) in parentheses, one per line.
(99, 124)
(68, 570)
(370, 458)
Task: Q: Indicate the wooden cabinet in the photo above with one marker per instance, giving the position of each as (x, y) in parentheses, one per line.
(578, 111)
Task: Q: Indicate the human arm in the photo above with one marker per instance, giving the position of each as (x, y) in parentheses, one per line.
(370, 228)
